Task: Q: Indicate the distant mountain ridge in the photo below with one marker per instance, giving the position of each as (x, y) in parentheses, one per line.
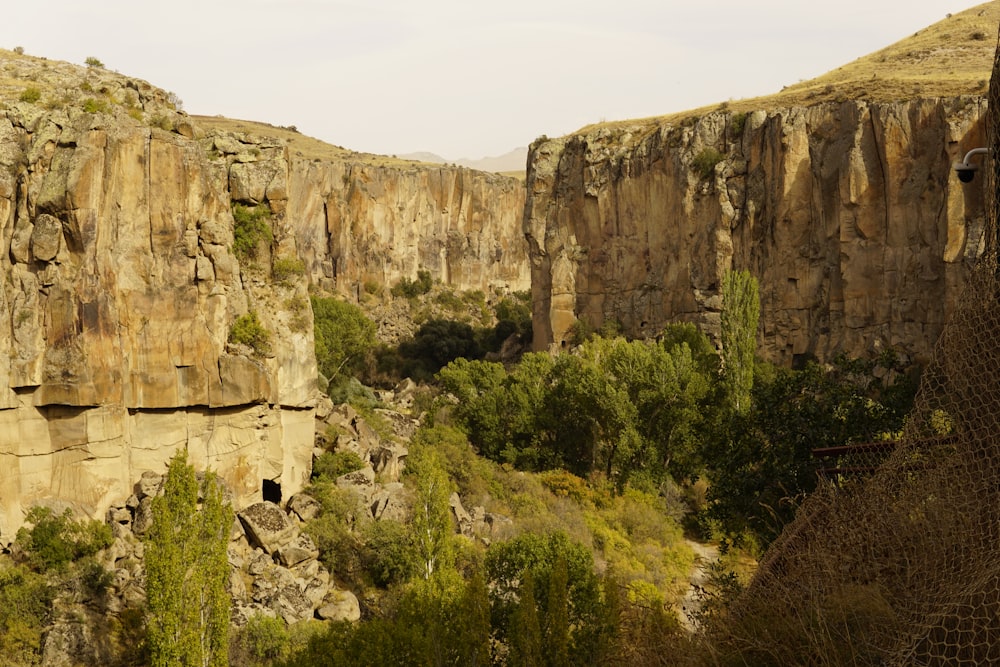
(514, 160)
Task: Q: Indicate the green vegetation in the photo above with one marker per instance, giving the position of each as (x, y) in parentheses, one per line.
(740, 315)
(284, 269)
(248, 330)
(432, 529)
(91, 61)
(252, 228)
(413, 288)
(25, 608)
(436, 343)
(31, 94)
(331, 465)
(187, 570)
(264, 641)
(91, 105)
(766, 466)
(704, 162)
(55, 540)
(344, 338)
(162, 121)
(52, 553)
(621, 408)
(737, 123)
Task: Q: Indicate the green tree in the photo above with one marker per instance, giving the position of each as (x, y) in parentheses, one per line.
(508, 564)
(187, 570)
(54, 540)
(25, 609)
(556, 631)
(438, 342)
(433, 532)
(344, 336)
(525, 629)
(764, 466)
(740, 315)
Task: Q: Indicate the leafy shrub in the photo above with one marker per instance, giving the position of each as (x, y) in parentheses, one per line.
(90, 105)
(247, 330)
(252, 227)
(264, 640)
(413, 288)
(437, 343)
(388, 553)
(344, 336)
(332, 465)
(339, 547)
(737, 124)
(54, 540)
(705, 161)
(91, 61)
(162, 121)
(284, 268)
(515, 309)
(25, 607)
(449, 300)
(31, 94)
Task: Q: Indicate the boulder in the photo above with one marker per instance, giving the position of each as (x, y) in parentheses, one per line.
(389, 502)
(388, 460)
(149, 484)
(143, 518)
(361, 482)
(304, 506)
(462, 518)
(267, 526)
(46, 237)
(340, 606)
(300, 550)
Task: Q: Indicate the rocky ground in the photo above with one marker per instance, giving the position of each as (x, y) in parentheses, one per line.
(275, 568)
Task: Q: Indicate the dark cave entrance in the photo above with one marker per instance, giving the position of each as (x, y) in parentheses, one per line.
(271, 491)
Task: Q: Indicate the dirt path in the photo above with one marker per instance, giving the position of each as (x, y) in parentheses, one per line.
(704, 555)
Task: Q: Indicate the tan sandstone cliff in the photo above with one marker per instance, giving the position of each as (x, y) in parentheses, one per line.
(121, 284)
(847, 212)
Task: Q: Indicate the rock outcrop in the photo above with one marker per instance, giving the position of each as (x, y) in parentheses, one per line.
(123, 283)
(848, 213)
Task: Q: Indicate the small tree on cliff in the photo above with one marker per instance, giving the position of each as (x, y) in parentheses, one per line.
(186, 571)
(740, 314)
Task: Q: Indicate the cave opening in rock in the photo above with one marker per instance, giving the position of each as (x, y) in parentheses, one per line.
(271, 490)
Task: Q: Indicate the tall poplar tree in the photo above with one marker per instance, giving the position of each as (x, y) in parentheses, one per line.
(740, 315)
(186, 571)
(432, 527)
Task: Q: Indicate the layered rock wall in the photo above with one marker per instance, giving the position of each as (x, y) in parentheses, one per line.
(849, 215)
(121, 287)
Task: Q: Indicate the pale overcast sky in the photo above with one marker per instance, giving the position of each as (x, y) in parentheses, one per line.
(461, 78)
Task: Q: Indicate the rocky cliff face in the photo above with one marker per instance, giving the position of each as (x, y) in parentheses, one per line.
(848, 213)
(121, 285)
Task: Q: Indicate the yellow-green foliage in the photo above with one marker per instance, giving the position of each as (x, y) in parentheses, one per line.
(31, 94)
(25, 607)
(642, 545)
(285, 268)
(91, 105)
(252, 227)
(705, 161)
(247, 330)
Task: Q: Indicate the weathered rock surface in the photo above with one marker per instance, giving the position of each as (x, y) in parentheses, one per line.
(267, 526)
(848, 213)
(122, 285)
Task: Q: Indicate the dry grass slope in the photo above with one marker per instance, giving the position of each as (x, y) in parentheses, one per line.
(949, 58)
